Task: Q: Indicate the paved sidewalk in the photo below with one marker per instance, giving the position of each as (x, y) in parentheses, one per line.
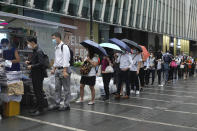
(173, 108)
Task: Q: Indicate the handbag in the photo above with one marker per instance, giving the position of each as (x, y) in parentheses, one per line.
(86, 68)
(182, 66)
(109, 69)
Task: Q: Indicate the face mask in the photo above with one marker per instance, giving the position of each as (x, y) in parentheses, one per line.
(134, 51)
(29, 46)
(54, 41)
(5, 48)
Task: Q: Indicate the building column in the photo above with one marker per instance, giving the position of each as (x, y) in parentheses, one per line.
(161, 16)
(65, 6)
(147, 11)
(120, 14)
(151, 27)
(49, 5)
(80, 8)
(112, 11)
(156, 18)
(103, 10)
(30, 3)
(128, 13)
(135, 14)
(141, 18)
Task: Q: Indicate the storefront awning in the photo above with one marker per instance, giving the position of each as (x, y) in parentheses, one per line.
(37, 20)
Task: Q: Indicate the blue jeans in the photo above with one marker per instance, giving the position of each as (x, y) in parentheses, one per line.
(166, 71)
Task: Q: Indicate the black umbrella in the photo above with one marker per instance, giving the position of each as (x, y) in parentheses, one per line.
(91, 45)
(132, 44)
(120, 43)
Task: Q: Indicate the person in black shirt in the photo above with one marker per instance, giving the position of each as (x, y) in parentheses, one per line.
(37, 74)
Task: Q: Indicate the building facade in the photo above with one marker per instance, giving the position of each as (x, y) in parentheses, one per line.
(157, 24)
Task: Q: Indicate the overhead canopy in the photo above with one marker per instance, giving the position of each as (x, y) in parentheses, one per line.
(37, 20)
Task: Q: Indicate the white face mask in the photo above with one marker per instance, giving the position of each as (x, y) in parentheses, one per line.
(5, 48)
(54, 41)
(29, 46)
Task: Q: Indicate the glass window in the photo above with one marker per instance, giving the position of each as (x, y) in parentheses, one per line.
(144, 14)
(98, 9)
(154, 15)
(73, 7)
(85, 9)
(138, 13)
(117, 11)
(108, 10)
(40, 4)
(125, 12)
(132, 11)
(57, 5)
(158, 16)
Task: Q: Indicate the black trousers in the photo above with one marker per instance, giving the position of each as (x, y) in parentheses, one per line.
(147, 76)
(106, 80)
(142, 76)
(37, 80)
(134, 80)
(124, 78)
(159, 76)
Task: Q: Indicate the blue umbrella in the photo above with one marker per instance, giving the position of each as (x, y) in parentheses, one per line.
(120, 44)
(110, 46)
(91, 45)
(132, 44)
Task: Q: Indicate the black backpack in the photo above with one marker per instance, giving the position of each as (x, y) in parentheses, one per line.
(46, 63)
(71, 54)
(167, 58)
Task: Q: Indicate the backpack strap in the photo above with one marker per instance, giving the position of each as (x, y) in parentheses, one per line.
(62, 47)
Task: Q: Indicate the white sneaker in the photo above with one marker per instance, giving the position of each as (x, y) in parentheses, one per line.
(91, 103)
(137, 92)
(132, 91)
(160, 85)
(79, 101)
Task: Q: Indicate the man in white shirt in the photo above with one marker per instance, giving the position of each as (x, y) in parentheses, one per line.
(62, 71)
(125, 63)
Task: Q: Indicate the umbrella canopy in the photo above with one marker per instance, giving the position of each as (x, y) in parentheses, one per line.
(145, 52)
(110, 46)
(94, 47)
(120, 43)
(132, 44)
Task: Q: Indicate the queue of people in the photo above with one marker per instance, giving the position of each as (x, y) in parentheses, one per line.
(129, 68)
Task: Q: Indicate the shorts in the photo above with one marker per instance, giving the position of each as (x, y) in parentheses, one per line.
(88, 80)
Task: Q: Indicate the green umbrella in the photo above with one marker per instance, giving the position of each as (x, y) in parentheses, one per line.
(110, 46)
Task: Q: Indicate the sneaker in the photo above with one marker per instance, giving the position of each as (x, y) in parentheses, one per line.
(160, 85)
(125, 97)
(79, 101)
(91, 103)
(137, 92)
(64, 108)
(105, 98)
(132, 91)
(117, 96)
